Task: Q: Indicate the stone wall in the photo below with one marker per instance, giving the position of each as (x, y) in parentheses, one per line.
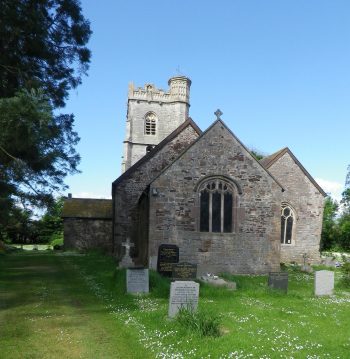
(308, 203)
(128, 189)
(87, 233)
(174, 212)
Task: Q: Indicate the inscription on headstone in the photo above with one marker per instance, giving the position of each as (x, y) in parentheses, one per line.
(183, 294)
(278, 280)
(137, 280)
(168, 254)
(184, 271)
(324, 282)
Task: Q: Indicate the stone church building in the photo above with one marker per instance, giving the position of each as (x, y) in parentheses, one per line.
(206, 192)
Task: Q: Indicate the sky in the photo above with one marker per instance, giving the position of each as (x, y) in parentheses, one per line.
(278, 70)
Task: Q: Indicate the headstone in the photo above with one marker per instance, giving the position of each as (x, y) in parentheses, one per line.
(278, 280)
(324, 282)
(218, 282)
(168, 254)
(153, 262)
(126, 260)
(137, 280)
(183, 294)
(184, 271)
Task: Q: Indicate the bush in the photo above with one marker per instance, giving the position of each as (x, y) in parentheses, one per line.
(202, 323)
(345, 269)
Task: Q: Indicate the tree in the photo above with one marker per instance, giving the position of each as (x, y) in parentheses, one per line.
(43, 55)
(329, 235)
(42, 45)
(36, 151)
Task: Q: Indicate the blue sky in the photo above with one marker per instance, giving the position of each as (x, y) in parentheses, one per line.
(278, 70)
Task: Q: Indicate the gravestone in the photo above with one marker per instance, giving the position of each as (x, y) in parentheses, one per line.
(183, 294)
(324, 282)
(184, 271)
(168, 254)
(278, 280)
(152, 264)
(137, 280)
(218, 282)
(126, 261)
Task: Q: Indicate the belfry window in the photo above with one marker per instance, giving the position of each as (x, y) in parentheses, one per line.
(150, 123)
(216, 197)
(287, 224)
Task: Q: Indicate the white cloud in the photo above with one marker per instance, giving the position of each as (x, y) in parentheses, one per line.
(91, 195)
(333, 188)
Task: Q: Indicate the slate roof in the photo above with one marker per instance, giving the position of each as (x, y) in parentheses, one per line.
(268, 161)
(87, 208)
(147, 156)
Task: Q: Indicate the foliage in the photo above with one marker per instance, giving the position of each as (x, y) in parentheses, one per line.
(42, 46)
(36, 151)
(258, 155)
(203, 323)
(50, 226)
(329, 233)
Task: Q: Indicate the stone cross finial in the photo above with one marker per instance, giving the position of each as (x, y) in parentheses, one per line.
(127, 246)
(218, 113)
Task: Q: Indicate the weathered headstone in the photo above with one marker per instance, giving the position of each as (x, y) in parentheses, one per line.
(184, 271)
(183, 294)
(137, 280)
(324, 282)
(126, 261)
(278, 280)
(168, 254)
(152, 264)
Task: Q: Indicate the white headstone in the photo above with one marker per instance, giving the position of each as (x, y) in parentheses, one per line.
(183, 294)
(324, 282)
(153, 262)
(137, 280)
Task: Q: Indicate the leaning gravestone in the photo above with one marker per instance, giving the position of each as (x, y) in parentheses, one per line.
(137, 280)
(183, 294)
(184, 271)
(168, 254)
(324, 282)
(278, 280)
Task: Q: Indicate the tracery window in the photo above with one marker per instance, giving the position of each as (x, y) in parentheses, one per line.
(287, 224)
(216, 197)
(150, 123)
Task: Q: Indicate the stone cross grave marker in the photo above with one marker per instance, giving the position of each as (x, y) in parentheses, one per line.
(168, 254)
(324, 282)
(184, 271)
(278, 280)
(137, 280)
(126, 260)
(183, 294)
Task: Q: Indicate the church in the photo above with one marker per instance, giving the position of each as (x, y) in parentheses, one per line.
(201, 190)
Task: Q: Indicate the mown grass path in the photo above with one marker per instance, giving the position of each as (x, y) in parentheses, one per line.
(47, 311)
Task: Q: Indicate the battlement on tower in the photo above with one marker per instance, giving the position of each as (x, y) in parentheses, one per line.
(179, 91)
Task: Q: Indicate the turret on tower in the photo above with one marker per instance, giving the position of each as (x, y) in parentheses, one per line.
(152, 114)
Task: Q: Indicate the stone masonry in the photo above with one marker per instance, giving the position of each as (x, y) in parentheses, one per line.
(128, 188)
(307, 200)
(254, 247)
(169, 107)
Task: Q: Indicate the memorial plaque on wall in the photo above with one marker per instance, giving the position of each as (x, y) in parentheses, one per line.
(184, 271)
(278, 280)
(168, 254)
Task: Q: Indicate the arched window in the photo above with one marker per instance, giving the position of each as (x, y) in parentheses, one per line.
(150, 123)
(287, 223)
(216, 197)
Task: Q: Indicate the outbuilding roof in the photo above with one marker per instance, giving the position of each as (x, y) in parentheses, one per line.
(87, 208)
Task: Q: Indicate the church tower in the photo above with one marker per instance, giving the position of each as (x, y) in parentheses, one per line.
(152, 114)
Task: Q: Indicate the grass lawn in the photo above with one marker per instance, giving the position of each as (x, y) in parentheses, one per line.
(56, 305)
